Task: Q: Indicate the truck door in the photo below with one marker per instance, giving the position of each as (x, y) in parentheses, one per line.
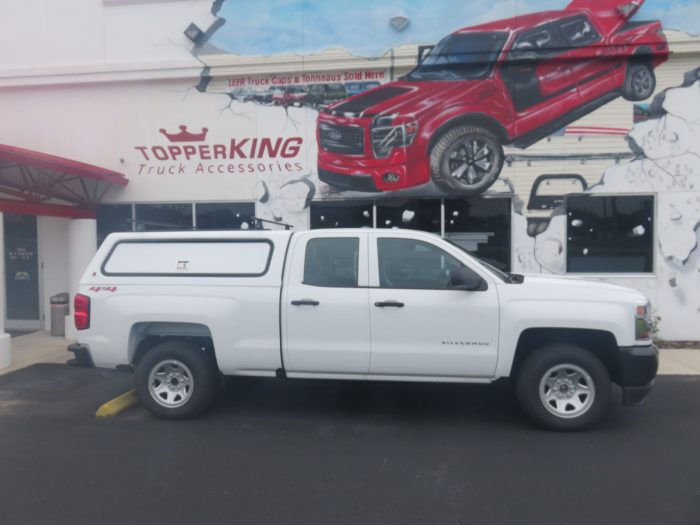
(420, 327)
(593, 63)
(325, 304)
(538, 76)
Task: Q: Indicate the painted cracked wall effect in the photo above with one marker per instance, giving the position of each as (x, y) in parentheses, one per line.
(667, 163)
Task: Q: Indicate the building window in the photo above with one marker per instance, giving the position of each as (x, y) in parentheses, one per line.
(113, 218)
(482, 227)
(610, 234)
(341, 214)
(415, 214)
(164, 217)
(225, 216)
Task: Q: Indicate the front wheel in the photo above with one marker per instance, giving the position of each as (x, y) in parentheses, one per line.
(640, 82)
(564, 387)
(466, 160)
(176, 380)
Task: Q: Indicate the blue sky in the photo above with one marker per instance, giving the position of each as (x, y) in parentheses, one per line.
(265, 27)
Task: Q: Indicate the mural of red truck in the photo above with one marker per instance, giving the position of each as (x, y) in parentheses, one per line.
(509, 82)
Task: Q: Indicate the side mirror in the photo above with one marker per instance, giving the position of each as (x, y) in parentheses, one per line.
(465, 279)
(423, 51)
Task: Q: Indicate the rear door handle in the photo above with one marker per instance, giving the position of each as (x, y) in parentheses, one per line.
(305, 302)
(383, 304)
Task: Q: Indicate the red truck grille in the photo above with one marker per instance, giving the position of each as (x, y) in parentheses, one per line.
(348, 140)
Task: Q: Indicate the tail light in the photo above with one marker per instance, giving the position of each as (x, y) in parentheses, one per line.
(81, 311)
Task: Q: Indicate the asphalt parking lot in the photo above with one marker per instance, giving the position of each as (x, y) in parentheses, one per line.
(309, 452)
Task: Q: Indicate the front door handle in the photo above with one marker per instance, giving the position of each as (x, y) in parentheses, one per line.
(305, 302)
(383, 304)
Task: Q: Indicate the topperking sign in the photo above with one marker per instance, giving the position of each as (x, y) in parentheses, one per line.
(186, 153)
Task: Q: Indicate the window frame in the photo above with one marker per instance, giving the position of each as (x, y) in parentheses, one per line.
(208, 240)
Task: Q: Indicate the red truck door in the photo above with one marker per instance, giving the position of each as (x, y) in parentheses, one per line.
(610, 15)
(591, 61)
(537, 75)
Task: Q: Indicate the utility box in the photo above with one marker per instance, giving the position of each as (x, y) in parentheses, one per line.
(59, 311)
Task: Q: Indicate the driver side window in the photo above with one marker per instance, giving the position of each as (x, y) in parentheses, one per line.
(412, 264)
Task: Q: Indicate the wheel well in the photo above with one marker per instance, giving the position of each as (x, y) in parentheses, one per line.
(470, 118)
(144, 336)
(643, 54)
(601, 343)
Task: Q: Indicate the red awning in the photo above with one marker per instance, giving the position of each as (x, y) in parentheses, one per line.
(37, 183)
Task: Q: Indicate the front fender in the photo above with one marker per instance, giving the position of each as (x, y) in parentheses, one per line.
(522, 315)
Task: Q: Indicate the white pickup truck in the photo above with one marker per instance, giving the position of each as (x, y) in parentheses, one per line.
(390, 305)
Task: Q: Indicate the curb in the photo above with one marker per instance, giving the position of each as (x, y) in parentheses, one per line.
(118, 405)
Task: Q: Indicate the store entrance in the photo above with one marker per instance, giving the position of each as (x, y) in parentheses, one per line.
(22, 310)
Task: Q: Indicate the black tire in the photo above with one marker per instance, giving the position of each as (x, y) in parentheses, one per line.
(640, 81)
(536, 373)
(460, 146)
(197, 363)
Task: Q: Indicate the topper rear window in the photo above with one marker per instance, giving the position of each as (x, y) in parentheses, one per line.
(189, 258)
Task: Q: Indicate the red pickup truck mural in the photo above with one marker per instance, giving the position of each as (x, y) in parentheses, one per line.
(510, 82)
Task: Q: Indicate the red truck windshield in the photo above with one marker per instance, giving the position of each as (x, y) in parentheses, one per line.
(464, 56)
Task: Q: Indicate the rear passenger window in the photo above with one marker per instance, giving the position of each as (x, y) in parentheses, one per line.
(536, 44)
(332, 261)
(579, 32)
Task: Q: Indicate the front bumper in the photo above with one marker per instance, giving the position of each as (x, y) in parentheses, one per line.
(82, 355)
(638, 366)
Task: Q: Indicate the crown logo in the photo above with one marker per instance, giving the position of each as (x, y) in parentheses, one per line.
(184, 135)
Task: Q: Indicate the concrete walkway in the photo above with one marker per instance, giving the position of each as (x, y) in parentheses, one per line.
(40, 347)
(37, 347)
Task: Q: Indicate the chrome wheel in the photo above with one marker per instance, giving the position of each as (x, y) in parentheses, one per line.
(642, 82)
(471, 160)
(170, 383)
(567, 391)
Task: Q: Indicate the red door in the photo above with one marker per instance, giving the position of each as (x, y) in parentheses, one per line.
(591, 61)
(539, 79)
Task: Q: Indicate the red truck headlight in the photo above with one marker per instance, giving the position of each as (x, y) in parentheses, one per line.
(388, 133)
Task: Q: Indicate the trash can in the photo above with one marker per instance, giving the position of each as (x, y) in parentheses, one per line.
(59, 311)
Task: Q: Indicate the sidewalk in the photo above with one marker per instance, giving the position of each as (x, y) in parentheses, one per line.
(40, 347)
(37, 347)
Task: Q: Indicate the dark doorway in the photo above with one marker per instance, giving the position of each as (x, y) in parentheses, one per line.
(21, 269)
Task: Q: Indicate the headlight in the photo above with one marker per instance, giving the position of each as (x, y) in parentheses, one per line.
(642, 323)
(388, 134)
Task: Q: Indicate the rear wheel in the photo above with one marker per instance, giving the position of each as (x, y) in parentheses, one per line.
(466, 160)
(640, 81)
(176, 380)
(564, 387)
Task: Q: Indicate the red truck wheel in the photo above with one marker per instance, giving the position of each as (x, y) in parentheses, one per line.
(640, 81)
(467, 160)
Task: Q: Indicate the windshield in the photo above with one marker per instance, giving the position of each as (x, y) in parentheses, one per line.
(465, 56)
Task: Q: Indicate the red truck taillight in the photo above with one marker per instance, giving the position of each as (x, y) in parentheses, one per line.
(81, 311)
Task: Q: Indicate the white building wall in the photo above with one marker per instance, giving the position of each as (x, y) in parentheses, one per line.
(52, 233)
